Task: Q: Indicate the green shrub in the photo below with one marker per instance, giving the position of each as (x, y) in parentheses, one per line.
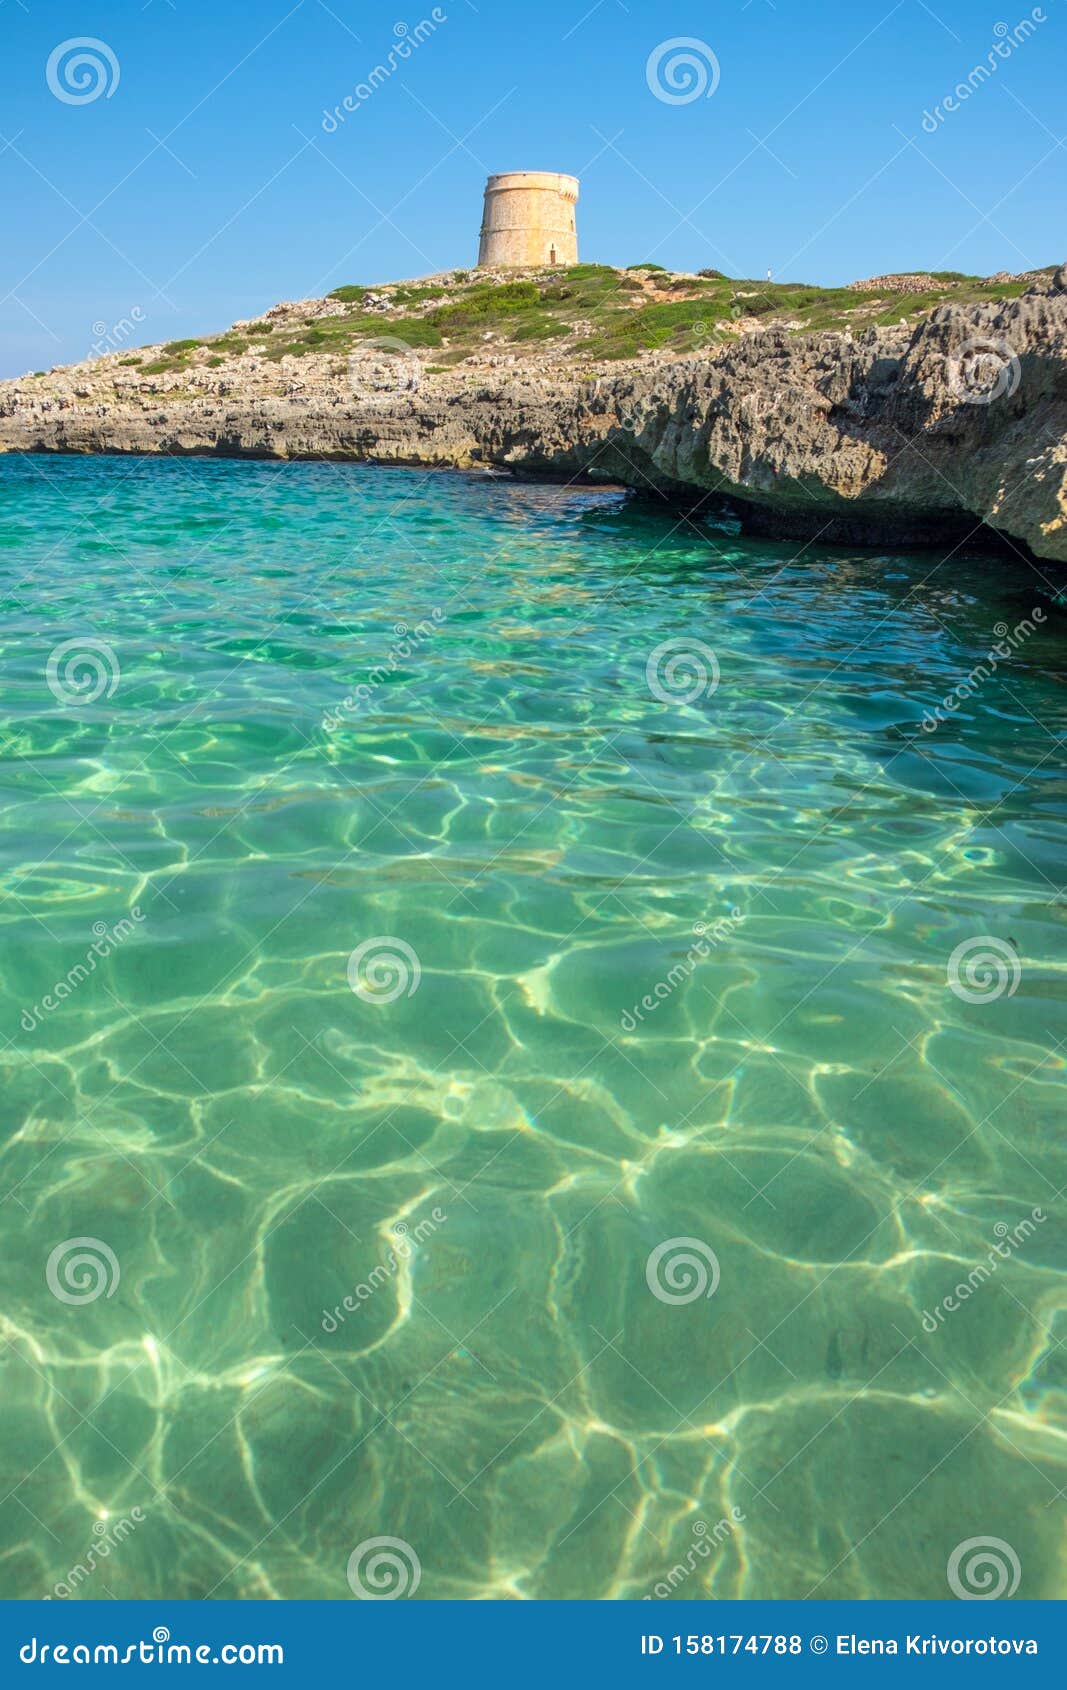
(486, 303)
(592, 304)
(538, 327)
(681, 324)
(414, 296)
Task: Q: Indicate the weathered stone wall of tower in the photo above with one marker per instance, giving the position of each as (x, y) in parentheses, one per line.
(529, 220)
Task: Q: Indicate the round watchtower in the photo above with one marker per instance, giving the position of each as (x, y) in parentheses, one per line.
(529, 220)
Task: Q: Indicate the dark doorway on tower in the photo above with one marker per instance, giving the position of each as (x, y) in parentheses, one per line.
(552, 255)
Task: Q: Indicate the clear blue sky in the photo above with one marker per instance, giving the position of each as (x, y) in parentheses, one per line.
(205, 188)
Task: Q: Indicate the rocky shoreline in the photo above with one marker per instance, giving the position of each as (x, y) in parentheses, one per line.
(933, 433)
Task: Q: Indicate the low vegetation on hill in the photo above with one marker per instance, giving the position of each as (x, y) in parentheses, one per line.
(590, 314)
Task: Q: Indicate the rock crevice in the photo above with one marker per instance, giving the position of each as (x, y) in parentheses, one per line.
(907, 435)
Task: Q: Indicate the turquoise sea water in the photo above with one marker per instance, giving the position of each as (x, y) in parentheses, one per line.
(640, 1061)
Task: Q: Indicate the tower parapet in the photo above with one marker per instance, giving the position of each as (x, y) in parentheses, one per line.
(529, 220)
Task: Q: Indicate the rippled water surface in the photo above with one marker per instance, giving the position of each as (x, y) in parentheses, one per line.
(442, 966)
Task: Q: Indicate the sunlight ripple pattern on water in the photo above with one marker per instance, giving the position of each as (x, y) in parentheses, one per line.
(482, 1064)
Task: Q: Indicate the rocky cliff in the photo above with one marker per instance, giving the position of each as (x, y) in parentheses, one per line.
(926, 432)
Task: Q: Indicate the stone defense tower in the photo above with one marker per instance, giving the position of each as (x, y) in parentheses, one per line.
(529, 220)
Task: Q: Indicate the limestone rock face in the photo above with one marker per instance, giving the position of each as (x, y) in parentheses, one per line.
(898, 436)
